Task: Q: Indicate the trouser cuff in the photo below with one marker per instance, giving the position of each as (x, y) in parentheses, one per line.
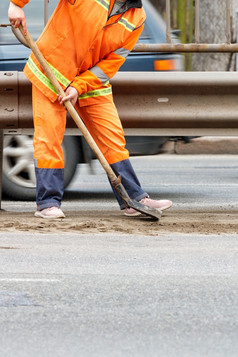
(44, 205)
(129, 180)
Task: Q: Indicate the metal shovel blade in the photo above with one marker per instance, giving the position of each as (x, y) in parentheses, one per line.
(149, 211)
(140, 207)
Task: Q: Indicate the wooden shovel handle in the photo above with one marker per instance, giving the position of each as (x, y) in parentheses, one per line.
(72, 111)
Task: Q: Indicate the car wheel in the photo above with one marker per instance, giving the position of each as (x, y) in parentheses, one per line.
(71, 157)
(18, 177)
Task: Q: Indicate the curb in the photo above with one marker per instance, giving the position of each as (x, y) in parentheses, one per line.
(206, 145)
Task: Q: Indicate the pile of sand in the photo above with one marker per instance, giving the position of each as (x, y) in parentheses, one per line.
(114, 222)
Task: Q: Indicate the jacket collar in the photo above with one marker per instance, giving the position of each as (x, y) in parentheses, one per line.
(129, 4)
(134, 3)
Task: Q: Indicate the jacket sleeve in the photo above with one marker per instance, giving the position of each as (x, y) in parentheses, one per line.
(20, 3)
(98, 75)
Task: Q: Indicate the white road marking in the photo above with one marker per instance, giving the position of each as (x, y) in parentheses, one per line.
(28, 279)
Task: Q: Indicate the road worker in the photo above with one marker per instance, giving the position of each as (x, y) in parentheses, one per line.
(84, 43)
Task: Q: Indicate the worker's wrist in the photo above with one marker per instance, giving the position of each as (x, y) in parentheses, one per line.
(18, 3)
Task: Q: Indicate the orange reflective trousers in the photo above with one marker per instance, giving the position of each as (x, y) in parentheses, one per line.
(101, 120)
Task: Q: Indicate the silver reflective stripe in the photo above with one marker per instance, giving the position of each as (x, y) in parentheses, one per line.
(41, 77)
(103, 3)
(36, 163)
(96, 93)
(63, 80)
(123, 52)
(99, 73)
(127, 24)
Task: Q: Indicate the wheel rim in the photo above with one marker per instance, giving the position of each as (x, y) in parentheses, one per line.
(18, 163)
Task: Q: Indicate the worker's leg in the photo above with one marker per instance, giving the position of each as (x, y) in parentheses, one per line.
(49, 123)
(105, 127)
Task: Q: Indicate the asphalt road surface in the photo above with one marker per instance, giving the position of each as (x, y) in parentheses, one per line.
(98, 284)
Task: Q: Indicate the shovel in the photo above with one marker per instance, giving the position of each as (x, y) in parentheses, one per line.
(116, 181)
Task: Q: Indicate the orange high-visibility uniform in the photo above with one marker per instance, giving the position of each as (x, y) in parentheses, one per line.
(85, 47)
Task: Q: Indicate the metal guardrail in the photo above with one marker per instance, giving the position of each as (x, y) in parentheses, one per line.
(178, 103)
(189, 47)
(149, 103)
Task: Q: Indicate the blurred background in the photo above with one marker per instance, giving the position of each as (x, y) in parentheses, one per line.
(212, 30)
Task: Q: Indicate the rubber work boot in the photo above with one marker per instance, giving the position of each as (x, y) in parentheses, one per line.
(160, 205)
(50, 213)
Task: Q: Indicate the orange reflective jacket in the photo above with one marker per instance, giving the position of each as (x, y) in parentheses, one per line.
(85, 46)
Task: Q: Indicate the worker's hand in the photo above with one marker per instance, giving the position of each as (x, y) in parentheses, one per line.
(71, 95)
(17, 16)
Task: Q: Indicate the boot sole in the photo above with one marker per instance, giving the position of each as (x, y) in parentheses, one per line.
(39, 215)
(136, 214)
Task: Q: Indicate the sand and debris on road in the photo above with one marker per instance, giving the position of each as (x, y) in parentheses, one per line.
(94, 222)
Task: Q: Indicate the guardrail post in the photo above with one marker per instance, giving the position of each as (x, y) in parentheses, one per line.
(228, 21)
(46, 11)
(1, 161)
(168, 22)
(197, 21)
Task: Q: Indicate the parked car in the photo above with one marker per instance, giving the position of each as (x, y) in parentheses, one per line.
(18, 181)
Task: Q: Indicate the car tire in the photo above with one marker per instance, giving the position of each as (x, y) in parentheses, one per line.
(18, 174)
(71, 156)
